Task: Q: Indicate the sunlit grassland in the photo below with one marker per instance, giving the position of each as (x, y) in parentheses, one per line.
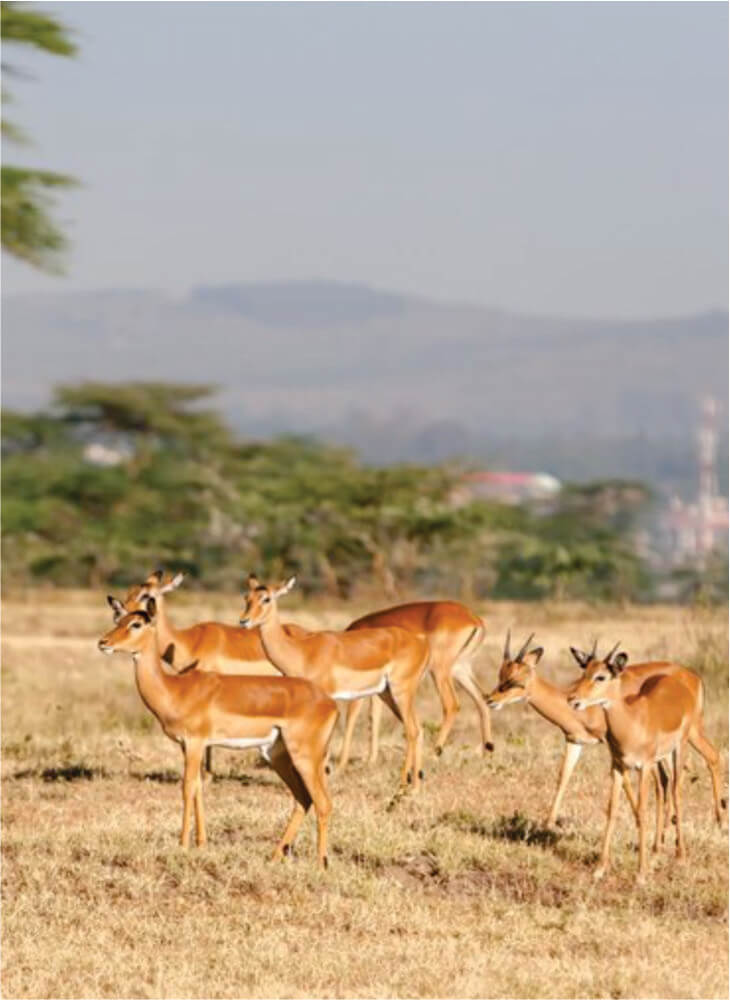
(456, 892)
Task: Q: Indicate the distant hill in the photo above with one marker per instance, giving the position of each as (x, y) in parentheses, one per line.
(396, 376)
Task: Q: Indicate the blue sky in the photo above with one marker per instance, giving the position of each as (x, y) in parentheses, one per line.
(545, 158)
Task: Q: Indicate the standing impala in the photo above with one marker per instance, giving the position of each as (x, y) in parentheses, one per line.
(519, 681)
(454, 635)
(388, 662)
(225, 649)
(643, 727)
(290, 721)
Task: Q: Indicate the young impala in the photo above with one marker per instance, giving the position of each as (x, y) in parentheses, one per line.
(290, 721)
(454, 635)
(520, 682)
(388, 662)
(644, 727)
(215, 646)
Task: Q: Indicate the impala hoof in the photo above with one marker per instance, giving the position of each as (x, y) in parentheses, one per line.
(489, 746)
(327, 769)
(439, 751)
(421, 776)
(723, 803)
(325, 862)
(409, 778)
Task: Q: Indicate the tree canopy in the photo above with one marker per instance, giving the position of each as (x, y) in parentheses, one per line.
(28, 231)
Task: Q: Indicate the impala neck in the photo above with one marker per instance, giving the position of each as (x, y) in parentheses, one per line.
(165, 631)
(156, 688)
(551, 702)
(281, 649)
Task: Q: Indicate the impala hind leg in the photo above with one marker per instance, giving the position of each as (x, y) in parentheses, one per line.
(441, 673)
(282, 763)
(702, 745)
(462, 673)
(678, 767)
(644, 776)
(661, 786)
(376, 715)
(570, 759)
(192, 793)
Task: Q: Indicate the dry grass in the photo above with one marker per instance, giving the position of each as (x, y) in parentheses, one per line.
(456, 893)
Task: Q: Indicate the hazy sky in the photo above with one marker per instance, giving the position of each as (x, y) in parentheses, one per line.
(562, 158)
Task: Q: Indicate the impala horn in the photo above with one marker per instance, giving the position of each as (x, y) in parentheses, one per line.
(607, 658)
(524, 648)
(506, 655)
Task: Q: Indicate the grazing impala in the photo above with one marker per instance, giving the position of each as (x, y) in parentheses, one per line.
(454, 635)
(644, 727)
(388, 662)
(225, 649)
(519, 682)
(290, 721)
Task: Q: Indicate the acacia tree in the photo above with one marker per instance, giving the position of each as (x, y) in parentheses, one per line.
(28, 231)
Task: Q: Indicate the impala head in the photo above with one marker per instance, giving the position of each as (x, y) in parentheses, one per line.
(515, 674)
(260, 599)
(131, 633)
(597, 686)
(137, 597)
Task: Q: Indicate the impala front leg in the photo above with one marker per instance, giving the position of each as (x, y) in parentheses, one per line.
(616, 779)
(193, 752)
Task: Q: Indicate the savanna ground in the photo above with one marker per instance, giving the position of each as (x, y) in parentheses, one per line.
(456, 893)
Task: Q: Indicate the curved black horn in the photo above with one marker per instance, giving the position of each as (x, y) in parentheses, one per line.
(506, 655)
(524, 648)
(608, 657)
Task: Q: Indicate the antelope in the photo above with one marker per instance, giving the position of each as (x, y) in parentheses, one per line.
(388, 662)
(454, 634)
(520, 682)
(222, 648)
(645, 725)
(288, 719)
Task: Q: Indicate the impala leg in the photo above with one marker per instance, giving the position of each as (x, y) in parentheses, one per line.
(193, 752)
(449, 702)
(570, 759)
(678, 766)
(613, 802)
(314, 778)
(208, 768)
(628, 788)
(661, 786)
(376, 714)
(201, 838)
(401, 701)
(703, 746)
(462, 673)
(351, 715)
(644, 775)
(281, 761)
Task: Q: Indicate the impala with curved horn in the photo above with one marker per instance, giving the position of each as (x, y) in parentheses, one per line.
(519, 682)
(454, 635)
(288, 719)
(644, 727)
(388, 662)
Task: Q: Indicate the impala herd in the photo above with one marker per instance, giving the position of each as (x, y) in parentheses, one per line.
(274, 686)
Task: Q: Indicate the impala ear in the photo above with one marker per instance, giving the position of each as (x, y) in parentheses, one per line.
(580, 657)
(618, 663)
(158, 575)
(252, 582)
(116, 606)
(173, 584)
(285, 587)
(151, 608)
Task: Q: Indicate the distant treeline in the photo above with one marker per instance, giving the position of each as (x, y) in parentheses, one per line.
(116, 479)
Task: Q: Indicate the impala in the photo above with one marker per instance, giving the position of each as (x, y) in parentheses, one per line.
(388, 662)
(454, 635)
(520, 682)
(289, 720)
(644, 727)
(222, 648)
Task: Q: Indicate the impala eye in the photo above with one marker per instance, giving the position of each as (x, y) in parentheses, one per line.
(136, 625)
(265, 600)
(600, 677)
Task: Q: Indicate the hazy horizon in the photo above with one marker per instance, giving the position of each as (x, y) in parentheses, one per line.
(563, 160)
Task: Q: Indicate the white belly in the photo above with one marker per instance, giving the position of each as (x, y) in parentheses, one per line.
(365, 693)
(263, 743)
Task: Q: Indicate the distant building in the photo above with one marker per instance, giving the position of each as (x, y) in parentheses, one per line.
(507, 487)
